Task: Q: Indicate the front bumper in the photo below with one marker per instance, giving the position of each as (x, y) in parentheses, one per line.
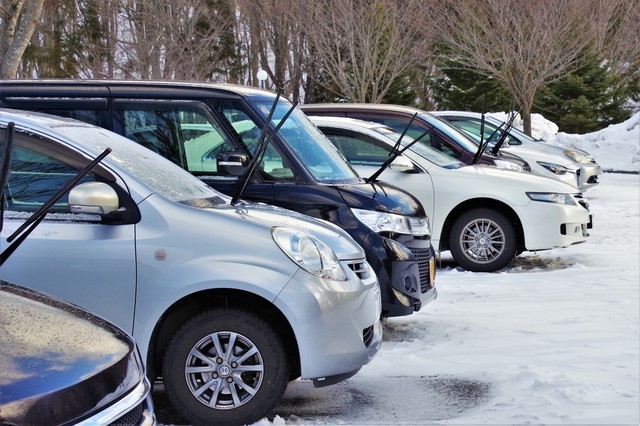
(588, 175)
(336, 324)
(550, 225)
(410, 275)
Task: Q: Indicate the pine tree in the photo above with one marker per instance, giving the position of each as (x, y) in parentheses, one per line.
(586, 100)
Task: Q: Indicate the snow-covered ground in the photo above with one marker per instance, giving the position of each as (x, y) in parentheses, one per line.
(552, 339)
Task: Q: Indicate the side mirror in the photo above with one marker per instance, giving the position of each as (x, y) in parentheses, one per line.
(93, 198)
(402, 164)
(232, 163)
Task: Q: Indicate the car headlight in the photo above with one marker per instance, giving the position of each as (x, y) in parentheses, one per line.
(309, 253)
(556, 169)
(420, 226)
(505, 164)
(576, 156)
(553, 197)
(380, 222)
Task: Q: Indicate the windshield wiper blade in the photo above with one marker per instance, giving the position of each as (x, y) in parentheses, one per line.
(34, 220)
(263, 142)
(400, 152)
(393, 154)
(5, 166)
(483, 143)
(505, 133)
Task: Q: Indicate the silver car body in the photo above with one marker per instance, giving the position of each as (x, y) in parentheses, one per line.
(134, 274)
(443, 184)
(582, 170)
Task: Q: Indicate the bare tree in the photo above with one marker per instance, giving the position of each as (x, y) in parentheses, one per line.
(363, 46)
(618, 37)
(163, 39)
(524, 44)
(277, 42)
(18, 21)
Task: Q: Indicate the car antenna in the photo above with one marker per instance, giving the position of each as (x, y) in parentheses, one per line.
(261, 148)
(5, 166)
(34, 220)
(392, 153)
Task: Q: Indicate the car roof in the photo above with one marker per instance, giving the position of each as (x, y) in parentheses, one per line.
(93, 87)
(345, 122)
(368, 107)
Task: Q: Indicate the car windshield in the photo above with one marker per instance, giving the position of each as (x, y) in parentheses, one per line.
(439, 158)
(513, 130)
(323, 161)
(464, 141)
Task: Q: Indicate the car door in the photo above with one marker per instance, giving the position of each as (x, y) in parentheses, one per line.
(71, 256)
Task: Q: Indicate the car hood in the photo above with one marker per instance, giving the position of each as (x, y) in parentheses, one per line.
(56, 355)
(267, 215)
(383, 197)
(554, 155)
(487, 175)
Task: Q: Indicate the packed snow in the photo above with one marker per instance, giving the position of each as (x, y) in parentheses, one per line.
(554, 338)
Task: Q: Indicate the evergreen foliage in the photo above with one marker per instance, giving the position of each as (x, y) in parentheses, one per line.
(586, 100)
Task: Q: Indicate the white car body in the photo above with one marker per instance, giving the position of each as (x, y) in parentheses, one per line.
(446, 193)
(570, 165)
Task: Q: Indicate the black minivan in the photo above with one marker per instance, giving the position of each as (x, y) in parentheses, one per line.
(212, 130)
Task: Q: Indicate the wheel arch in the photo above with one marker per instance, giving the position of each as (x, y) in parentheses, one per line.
(490, 203)
(189, 306)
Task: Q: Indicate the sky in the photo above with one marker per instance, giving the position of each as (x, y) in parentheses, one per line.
(554, 338)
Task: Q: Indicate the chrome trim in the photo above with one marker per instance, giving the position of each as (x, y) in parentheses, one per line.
(120, 408)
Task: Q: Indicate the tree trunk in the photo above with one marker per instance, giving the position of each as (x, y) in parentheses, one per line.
(20, 39)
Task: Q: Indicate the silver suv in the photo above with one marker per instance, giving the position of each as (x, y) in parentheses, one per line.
(227, 303)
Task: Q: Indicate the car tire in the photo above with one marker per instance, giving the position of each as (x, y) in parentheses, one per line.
(483, 240)
(203, 378)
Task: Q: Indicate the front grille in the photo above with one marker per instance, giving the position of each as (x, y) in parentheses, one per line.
(131, 418)
(423, 256)
(367, 336)
(360, 269)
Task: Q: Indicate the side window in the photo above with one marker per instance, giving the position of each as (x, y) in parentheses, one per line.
(357, 151)
(35, 177)
(90, 116)
(274, 165)
(181, 132)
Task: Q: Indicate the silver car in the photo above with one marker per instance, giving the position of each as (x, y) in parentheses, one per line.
(227, 303)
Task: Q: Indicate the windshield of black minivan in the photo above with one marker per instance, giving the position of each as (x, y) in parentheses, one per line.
(315, 152)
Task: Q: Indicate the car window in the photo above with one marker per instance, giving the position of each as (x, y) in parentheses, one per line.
(182, 132)
(274, 165)
(358, 151)
(417, 129)
(90, 116)
(35, 177)
(490, 132)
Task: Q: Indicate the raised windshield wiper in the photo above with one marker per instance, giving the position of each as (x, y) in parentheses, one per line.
(485, 143)
(393, 154)
(505, 133)
(34, 220)
(396, 154)
(263, 142)
(5, 167)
